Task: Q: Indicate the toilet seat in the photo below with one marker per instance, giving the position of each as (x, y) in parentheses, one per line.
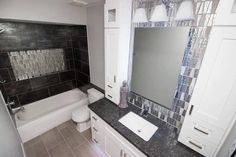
(81, 114)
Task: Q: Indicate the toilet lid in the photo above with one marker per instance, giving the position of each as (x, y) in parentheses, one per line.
(81, 114)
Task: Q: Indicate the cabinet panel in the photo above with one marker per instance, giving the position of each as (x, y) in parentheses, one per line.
(226, 13)
(212, 106)
(214, 94)
(111, 64)
(113, 146)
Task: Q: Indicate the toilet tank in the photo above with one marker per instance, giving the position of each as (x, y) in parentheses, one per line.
(94, 95)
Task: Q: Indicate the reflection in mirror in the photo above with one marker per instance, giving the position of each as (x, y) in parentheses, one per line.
(157, 59)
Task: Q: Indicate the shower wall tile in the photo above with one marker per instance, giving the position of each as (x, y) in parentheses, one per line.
(33, 96)
(61, 87)
(24, 36)
(17, 87)
(4, 75)
(66, 76)
(4, 60)
(43, 81)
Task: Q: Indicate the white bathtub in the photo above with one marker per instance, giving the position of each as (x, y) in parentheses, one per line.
(43, 115)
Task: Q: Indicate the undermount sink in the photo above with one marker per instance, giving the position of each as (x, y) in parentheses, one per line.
(138, 125)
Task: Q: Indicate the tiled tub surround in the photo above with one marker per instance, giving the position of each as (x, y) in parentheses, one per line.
(193, 55)
(162, 144)
(21, 36)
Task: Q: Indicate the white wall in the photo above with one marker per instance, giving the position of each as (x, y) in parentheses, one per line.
(57, 11)
(95, 26)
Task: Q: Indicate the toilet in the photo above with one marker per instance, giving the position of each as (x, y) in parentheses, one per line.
(81, 115)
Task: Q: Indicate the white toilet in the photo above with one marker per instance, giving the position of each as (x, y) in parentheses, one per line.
(81, 115)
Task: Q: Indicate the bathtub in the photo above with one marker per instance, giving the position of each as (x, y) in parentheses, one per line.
(43, 115)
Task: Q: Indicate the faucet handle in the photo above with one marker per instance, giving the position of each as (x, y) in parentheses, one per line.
(11, 103)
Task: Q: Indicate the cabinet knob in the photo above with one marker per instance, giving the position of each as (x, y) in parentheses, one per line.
(114, 79)
(194, 144)
(94, 118)
(191, 110)
(200, 130)
(95, 140)
(95, 129)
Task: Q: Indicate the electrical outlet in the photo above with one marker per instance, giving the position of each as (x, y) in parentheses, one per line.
(232, 148)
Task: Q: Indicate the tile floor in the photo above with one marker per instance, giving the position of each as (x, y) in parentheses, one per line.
(63, 141)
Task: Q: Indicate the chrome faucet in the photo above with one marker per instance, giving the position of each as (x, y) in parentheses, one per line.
(145, 110)
(14, 110)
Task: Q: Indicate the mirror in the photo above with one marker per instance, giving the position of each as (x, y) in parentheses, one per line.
(157, 59)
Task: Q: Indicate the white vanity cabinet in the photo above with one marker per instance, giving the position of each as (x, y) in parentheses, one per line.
(117, 46)
(226, 13)
(110, 141)
(212, 110)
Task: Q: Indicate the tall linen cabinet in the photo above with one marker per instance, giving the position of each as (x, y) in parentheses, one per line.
(212, 110)
(117, 45)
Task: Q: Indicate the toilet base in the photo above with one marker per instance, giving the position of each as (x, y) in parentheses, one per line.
(81, 127)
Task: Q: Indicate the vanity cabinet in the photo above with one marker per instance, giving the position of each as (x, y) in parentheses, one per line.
(226, 13)
(117, 46)
(110, 141)
(212, 109)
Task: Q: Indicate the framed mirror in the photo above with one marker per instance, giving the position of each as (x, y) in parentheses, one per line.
(157, 60)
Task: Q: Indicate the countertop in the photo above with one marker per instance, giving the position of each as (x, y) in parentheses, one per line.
(162, 144)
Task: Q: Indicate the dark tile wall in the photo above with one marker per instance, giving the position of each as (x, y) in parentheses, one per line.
(33, 36)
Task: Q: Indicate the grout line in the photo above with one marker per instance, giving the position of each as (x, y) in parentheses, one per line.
(66, 142)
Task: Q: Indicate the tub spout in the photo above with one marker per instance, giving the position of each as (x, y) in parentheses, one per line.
(15, 110)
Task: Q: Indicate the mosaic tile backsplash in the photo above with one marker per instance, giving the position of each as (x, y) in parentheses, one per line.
(40, 60)
(34, 63)
(191, 63)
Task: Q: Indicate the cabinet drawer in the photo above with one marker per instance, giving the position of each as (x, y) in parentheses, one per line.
(203, 147)
(95, 119)
(202, 130)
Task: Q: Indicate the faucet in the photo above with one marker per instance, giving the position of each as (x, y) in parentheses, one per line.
(145, 110)
(15, 110)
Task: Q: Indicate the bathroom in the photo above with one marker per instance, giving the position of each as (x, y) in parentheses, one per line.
(117, 78)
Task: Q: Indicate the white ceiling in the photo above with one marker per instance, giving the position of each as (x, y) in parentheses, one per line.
(86, 3)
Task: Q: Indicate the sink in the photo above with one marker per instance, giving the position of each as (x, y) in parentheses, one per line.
(138, 125)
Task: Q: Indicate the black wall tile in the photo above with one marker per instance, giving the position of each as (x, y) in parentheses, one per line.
(66, 76)
(4, 60)
(4, 75)
(33, 96)
(68, 53)
(61, 88)
(82, 77)
(84, 68)
(17, 87)
(43, 81)
(81, 55)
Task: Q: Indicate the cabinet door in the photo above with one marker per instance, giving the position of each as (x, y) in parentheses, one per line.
(113, 146)
(226, 13)
(214, 97)
(111, 13)
(111, 64)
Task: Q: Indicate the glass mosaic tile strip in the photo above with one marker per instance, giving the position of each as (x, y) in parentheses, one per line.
(34, 63)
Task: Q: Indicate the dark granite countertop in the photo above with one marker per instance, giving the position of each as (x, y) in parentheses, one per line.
(162, 144)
